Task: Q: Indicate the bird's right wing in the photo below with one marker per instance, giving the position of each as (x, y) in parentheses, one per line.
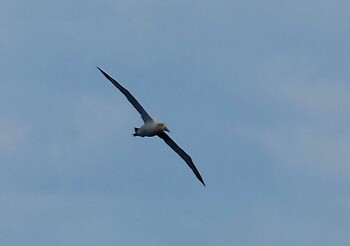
(145, 116)
(182, 154)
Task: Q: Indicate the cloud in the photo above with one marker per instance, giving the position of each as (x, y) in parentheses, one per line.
(98, 117)
(57, 218)
(305, 147)
(90, 218)
(295, 84)
(270, 223)
(308, 123)
(89, 126)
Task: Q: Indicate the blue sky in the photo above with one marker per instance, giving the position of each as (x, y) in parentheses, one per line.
(256, 92)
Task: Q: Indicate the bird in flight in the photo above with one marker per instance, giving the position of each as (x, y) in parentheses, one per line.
(152, 128)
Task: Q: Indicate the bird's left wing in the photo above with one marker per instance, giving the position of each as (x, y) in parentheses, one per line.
(145, 116)
(182, 154)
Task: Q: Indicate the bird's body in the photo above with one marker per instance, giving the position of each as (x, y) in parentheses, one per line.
(152, 128)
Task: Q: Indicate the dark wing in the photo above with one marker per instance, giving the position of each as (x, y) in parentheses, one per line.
(181, 153)
(145, 116)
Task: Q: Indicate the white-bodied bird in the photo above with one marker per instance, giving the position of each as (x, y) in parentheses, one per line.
(152, 128)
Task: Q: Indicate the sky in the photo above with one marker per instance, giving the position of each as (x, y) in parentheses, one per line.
(256, 92)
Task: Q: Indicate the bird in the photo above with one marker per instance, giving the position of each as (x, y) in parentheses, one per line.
(152, 128)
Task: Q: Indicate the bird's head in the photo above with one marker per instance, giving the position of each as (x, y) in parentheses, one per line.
(163, 127)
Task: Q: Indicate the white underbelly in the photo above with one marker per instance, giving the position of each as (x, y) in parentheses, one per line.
(149, 130)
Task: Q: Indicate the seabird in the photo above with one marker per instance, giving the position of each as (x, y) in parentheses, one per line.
(153, 128)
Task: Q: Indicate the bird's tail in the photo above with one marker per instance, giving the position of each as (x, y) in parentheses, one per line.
(136, 129)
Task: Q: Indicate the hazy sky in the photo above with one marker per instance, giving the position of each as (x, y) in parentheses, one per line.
(257, 92)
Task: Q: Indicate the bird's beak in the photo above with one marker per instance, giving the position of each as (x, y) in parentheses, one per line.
(166, 129)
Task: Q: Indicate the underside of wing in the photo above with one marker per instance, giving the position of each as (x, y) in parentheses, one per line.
(182, 154)
(145, 116)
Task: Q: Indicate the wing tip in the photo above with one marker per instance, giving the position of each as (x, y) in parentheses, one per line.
(201, 180)
(106, 75)
(103, 72)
